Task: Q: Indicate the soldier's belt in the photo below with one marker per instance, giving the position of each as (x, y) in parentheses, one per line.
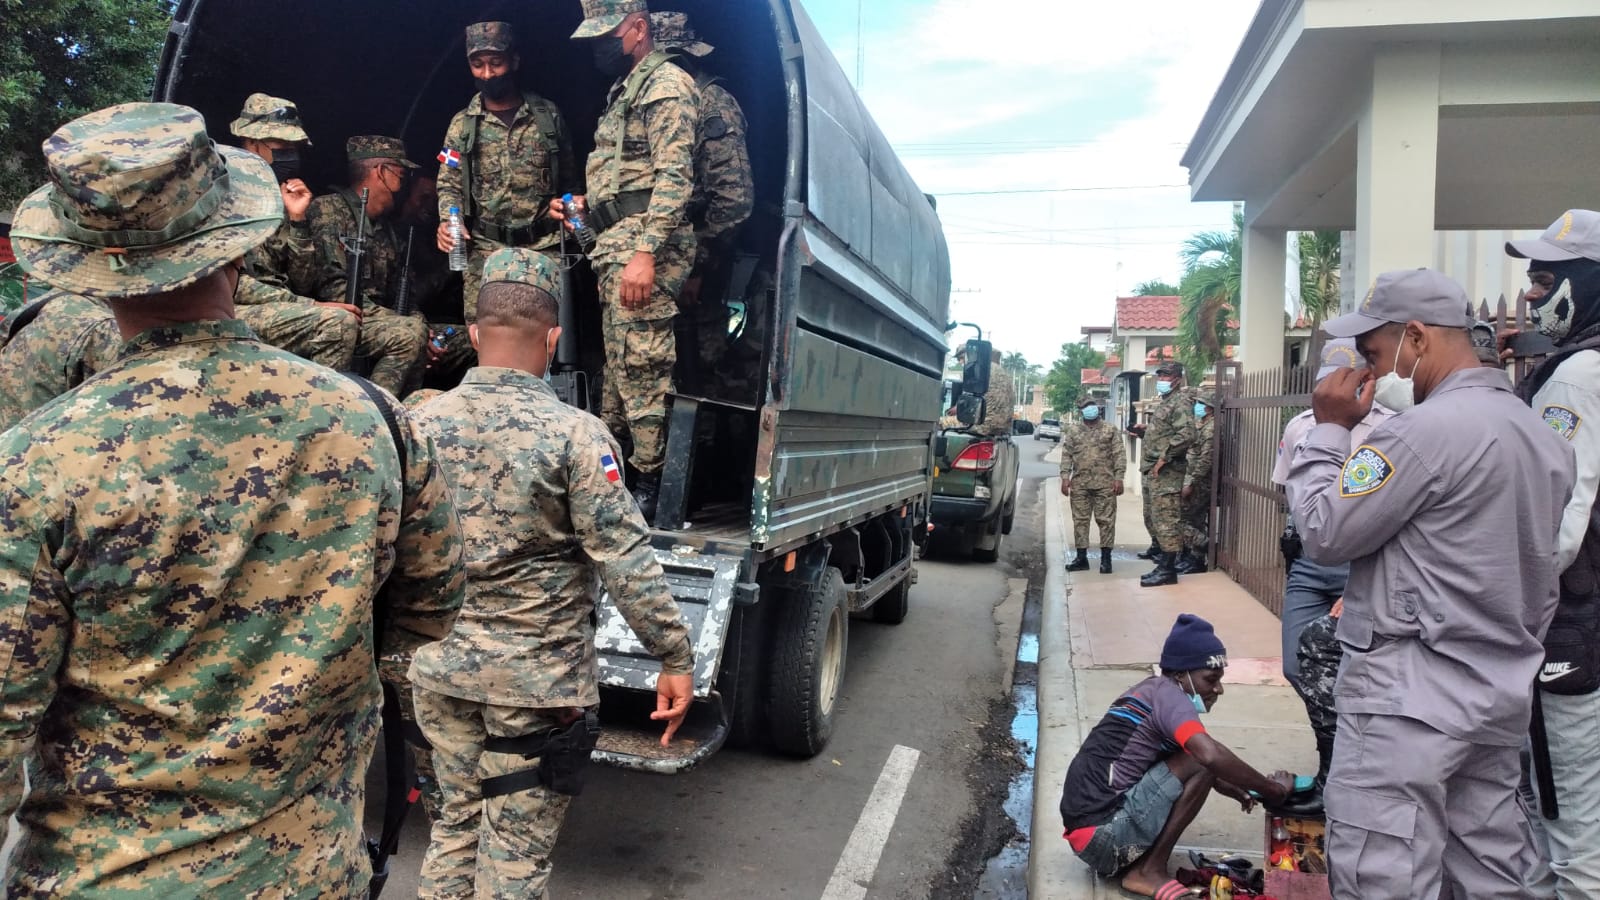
(513, 235)
(608, 212)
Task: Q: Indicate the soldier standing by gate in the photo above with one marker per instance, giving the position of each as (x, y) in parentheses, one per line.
(504, 157)
(641, 179)
(1196, 493)
(1167, 438)
(1092, 465)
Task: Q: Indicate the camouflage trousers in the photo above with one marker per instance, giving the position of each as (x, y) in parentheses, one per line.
(1197, 518)
(1149, 523)
(1099, 503)
(392, 669)
(397, 347)
(1164, 493)
(323, 334)
(1320, 655)
(458, 354)
(498, 847)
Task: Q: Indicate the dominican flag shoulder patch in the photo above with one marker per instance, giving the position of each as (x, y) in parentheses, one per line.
(450, 158)
(609, 463)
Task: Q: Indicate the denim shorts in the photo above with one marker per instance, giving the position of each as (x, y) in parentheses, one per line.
(1133, 829)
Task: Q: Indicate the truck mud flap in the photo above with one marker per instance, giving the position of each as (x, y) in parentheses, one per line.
(703, 584)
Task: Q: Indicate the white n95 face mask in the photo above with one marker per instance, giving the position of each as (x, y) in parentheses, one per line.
(1395, 392)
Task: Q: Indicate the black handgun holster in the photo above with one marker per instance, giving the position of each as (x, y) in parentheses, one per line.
(563, 755)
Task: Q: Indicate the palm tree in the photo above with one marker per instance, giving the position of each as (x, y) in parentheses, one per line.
(1154, 288)
(1212, 263)
(1319, 275)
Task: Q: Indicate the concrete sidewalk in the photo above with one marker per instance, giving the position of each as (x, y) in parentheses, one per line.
(1100, 634)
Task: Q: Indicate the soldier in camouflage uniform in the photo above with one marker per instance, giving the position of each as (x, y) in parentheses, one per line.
(1169, 433)
(514, 148)
(71, 339)
(544, 512)
(396, 344)
(724, 197)
(1092, 464)
(193, 552)
(275, 299)
(1196, 493)
(999, 404)
(641, 182)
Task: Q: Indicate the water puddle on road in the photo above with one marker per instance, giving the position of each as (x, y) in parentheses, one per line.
(1006, 876)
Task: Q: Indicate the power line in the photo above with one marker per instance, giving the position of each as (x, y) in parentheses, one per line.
(1065, 190)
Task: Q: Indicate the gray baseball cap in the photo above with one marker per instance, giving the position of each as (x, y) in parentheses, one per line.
(1339, 353)
(1576, 235)
(1406, 295)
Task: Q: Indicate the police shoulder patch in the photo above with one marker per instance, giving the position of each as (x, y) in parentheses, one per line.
(1564, 421)
(1364, 472)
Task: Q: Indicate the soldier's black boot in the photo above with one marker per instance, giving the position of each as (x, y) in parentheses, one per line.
(1081, 563)
(1191, 564)
(1164, 573)
(646, 493)
(1152, 553)
(1105, 560)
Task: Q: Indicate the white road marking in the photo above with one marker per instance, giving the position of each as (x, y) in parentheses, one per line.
(859, 861)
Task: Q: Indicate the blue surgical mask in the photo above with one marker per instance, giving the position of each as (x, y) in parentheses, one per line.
(1199, 704)
(1163, 388)
(1090, 413)
(1199, 410)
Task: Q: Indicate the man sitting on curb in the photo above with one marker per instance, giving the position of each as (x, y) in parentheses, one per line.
(1144, 772)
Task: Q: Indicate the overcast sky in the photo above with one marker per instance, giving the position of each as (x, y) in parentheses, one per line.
(1035, 95)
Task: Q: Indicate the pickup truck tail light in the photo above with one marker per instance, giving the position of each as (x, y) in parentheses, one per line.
(978, 457)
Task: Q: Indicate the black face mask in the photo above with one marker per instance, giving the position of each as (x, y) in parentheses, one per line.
(285, 164)
(610, 58)
(497, 88)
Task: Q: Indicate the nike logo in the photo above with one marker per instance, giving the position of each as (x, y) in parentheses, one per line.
(1554, 671)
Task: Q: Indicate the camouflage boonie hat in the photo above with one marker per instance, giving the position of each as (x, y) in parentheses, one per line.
(601, 17)
(490, 37)
(140, 201)
(523, 266)
(267, 118)
(376, 146)
(673, 31)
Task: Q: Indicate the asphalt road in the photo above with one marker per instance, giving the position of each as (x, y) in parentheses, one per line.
(751, 824)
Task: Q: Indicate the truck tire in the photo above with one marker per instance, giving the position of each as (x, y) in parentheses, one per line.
(892, 607)
(987, 549)
(742, 680)
(808, 659)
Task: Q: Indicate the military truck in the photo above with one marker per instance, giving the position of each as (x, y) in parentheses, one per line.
(799, 482)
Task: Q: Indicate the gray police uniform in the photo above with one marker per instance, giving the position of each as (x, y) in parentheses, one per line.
(1448, 515)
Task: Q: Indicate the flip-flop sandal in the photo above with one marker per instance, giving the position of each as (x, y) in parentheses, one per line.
(1176, 890)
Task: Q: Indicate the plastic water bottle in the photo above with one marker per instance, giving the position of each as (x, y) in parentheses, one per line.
(580, 229)
(458, 249)
(439, 337)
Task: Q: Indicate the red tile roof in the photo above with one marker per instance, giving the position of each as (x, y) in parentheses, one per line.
(1148, 313)
(1092, 376)
(1112, 362)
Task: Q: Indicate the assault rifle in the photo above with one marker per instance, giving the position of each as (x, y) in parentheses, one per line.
(355, 252)
(402, 298)
(571, 383)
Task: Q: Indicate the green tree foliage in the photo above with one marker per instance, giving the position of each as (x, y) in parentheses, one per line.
(1319, 275)
(1212, 262)
(60, 59)
(1064, 384)
(1155, 288)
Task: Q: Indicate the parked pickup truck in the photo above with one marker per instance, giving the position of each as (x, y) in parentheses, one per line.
(1048, 430)
(798, 484)
(975, 475)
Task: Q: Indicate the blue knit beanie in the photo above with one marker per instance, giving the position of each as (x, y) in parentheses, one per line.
(1191, 645)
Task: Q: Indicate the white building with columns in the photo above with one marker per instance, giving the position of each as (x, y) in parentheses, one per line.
(1422, 127)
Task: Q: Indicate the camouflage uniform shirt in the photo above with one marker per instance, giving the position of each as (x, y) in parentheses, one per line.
(1000, 403)
(1169, 432)
(512, 168)
(541, 513)
(190, 545)
(648, 146)
(71, 339)
(1092, 456)
(724, 188)
(333, 221)
(1200, 454)
(287, 260)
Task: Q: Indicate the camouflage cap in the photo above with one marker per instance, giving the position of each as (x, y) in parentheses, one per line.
(490, 37)
(673, 31)
(523, 266)
(267, 118)
(1205, 398)
(140, 201)
(1171, 367)
(376, 146)
(601, 17)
